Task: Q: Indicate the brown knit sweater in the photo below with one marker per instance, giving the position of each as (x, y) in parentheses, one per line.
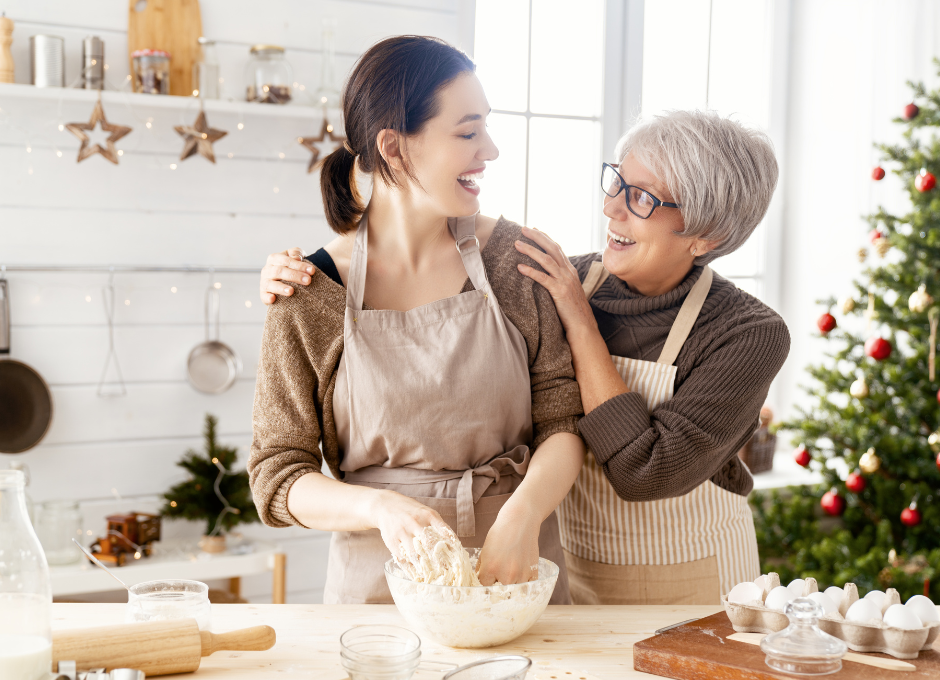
(724, 371)
(301, 348)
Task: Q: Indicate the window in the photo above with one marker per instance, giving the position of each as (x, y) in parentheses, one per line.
(541, 63)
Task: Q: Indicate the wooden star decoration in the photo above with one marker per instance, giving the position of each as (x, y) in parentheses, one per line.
(199, 137)
(310, 143)
(88, 149)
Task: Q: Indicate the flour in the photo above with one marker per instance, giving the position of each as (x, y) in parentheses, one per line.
(438, 558)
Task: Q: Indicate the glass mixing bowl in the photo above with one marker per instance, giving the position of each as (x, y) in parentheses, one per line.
(472, 616)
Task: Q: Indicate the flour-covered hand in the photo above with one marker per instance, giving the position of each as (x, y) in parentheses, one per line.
(511, 551)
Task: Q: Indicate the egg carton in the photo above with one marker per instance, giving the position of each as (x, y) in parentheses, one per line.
(754, 617)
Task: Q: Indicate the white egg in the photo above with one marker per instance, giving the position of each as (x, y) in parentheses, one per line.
(796, 588)
(863, 611)
(876, 597)
(824, 601)
(899, 616)
(924, 608)
(763, 582)
(746, 592)
(778, 598)
(836, 594)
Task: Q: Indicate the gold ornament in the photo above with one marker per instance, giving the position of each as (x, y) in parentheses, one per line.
(199, 137)
(87, 150)
(934, 441)
(869, 462)
(920, 300)
(859, 389)
(310, 143)
(882, 246)
(847, 304)
(862, 254)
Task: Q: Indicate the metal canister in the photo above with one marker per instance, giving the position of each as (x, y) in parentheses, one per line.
(93, 63)
(47, 61)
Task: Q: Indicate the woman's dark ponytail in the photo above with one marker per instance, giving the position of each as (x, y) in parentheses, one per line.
(393, 86)
(341, 200)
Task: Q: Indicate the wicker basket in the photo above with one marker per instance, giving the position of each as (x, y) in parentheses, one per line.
(758, 453)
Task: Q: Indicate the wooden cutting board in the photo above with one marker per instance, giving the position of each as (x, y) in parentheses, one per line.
(701, 651)
(170, 25)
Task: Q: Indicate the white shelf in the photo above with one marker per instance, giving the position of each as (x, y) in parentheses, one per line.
(149, 101)
(180, 560)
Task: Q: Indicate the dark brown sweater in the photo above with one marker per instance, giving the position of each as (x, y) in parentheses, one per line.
(724, 371)
(300, 352)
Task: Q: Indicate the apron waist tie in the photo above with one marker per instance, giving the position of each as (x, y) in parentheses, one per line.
(515, 461)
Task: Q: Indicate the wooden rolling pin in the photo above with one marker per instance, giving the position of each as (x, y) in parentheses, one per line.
(156, 647)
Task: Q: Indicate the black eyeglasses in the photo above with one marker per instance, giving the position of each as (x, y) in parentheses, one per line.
(639, 201)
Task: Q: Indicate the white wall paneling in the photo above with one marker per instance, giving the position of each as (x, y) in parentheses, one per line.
(54, 211)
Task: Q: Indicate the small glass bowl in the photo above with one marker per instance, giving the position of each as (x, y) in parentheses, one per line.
(380, 652)
(170, 599)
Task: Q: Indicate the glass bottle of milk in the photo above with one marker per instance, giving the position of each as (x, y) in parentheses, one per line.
(25, 590)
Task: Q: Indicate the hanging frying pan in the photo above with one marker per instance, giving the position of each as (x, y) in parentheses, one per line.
(25, 400)
(213, 366)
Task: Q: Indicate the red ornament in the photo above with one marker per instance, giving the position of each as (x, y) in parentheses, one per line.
(911, 111)
(875, 235)
(826, 323)
(855, 482)
(938, 461)
(801, 456)
(910, 516)
(925, 181)
(832, 503)
(877, 348)
(878, 173)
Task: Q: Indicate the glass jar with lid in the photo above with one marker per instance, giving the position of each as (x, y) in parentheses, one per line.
(25, 589)
(57, 524)
(268, 75)
(151, 71)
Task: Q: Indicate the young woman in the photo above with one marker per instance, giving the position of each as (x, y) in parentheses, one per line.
(437, 381)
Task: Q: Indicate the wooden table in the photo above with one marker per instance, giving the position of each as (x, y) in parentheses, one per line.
(567, 643)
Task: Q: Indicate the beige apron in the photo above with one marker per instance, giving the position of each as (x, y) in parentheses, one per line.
(685, 550)
(434, 403)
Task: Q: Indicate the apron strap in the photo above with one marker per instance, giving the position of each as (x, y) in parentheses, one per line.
(688, 314)
(356, 282)
(468, 245)
(595, 278)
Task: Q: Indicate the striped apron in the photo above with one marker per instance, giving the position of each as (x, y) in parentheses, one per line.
(654, 552)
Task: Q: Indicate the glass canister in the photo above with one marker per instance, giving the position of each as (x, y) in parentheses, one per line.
(268, 75)
(151, 71)
(170, 599)
(25, 589)
(58, 522)
(206, 74)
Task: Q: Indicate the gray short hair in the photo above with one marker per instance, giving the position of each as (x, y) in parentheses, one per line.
(722, 173)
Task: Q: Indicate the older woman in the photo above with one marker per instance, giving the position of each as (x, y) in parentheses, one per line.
(673, 363)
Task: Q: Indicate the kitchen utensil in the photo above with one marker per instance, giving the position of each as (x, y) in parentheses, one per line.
(110, 389)
(472, 616)
(169, 599)
(6, 56)
(156, 647)
(173, 26)
(801, 648)
(100, 564)
(213, 366)
(494, 668)
(705, 649)
(47, 61)
(25, 399)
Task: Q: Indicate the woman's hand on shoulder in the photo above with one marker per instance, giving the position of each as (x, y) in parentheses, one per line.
(285, 266)
(560, 279)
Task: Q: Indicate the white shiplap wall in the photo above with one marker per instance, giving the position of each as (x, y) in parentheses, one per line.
(54, 211)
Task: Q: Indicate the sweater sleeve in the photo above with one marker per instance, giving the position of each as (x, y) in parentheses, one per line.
(687, 439)
(285, 423)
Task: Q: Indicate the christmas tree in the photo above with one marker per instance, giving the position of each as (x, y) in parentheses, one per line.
(213, 492)
(872, 427)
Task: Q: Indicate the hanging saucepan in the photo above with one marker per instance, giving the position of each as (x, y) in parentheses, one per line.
(213, 366)
(25, 400)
